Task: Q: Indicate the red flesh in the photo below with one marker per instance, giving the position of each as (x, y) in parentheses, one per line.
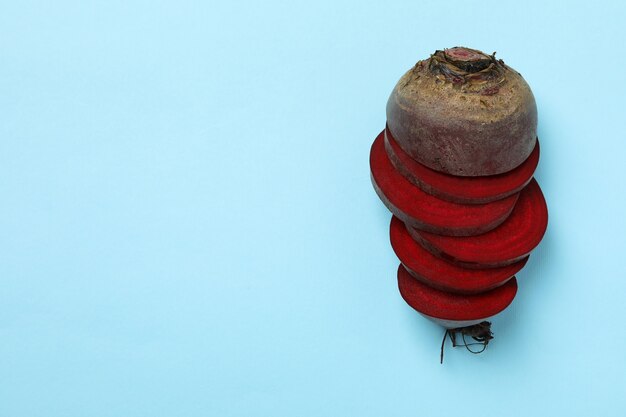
(426, 212)
(465, 190)
(447, 306)
(445, 276)
(504, 245)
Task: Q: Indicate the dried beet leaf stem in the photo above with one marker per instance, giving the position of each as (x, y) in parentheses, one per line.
(461, 72)
(480, 332)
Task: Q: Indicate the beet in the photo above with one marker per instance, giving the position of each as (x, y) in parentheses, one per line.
(443, 275)
(508, 243)
(425, 212)
(450, 309)
(464, 113)
(464, 190)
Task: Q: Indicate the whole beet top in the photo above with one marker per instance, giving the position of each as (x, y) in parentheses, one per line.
(465, 113)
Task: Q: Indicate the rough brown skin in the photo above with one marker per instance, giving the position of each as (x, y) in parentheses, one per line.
(464, 113)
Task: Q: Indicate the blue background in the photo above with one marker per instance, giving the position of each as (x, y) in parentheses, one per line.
(188, 227)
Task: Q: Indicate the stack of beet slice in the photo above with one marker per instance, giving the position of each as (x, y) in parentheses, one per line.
(455, 167)
(459, 255)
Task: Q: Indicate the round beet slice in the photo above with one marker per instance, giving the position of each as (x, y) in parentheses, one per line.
(442, 275)
(426, 212)
(508, 243)
(454, 310)
(465, 190)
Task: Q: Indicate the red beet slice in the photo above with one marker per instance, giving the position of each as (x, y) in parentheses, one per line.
(504, 245)
(442, 275)
(467, 190)
(445, 307)
(426, 212)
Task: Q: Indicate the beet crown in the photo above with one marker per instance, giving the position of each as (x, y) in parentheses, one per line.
(464, 113)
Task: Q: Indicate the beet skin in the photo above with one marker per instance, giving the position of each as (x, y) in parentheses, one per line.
(464, 113)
